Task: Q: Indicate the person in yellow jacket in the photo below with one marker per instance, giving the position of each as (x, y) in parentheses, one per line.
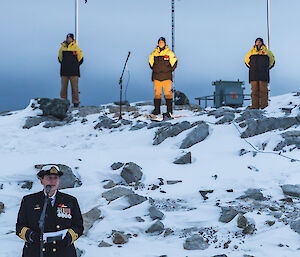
(259, 61)
(163, 62)
(70, 57)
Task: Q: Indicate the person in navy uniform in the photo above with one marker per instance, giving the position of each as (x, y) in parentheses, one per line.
(63, 216)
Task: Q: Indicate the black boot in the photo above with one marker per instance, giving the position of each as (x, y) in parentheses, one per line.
(157, 103)
(169, 103)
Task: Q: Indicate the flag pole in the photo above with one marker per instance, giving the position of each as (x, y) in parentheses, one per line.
(173, 47)
(268, 22)
(76, 20)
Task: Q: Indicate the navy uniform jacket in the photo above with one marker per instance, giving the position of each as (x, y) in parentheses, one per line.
(65, 214)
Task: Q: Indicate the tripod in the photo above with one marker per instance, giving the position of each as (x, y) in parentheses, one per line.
(121, 86)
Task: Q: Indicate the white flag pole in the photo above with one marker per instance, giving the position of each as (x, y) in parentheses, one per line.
(268, 22)
(76, 20)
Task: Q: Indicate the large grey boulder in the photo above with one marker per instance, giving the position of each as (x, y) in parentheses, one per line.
(291, 190)
(185, 159)
(89, 218)
(135, 199)
(158, 124)
(164, 132)
(131, 173)
(290, 138)
(157, 227)
(295, 225)
(53, 107)
(228, 214)
(195, 242)
(197, 135)
(254, 194)
(155, 214)
(116, 192)
(257, 127)
(181, 98)
(68, 180)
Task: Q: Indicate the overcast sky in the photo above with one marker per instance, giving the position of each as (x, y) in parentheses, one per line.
(212, 39)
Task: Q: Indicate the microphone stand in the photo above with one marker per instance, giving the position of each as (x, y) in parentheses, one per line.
(42, 222)
(121, 86)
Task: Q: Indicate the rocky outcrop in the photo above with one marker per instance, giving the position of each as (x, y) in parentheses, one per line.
(257, 127)
(131, 173)
(170, 131)
(197, 135)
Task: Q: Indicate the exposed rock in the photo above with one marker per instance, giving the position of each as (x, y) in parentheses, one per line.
(249, 229)
(2, 207)
(290, 138)
(228, 214)
(157, 227)
(155, 213)
(242, 221)
(168, 232)
(164, 132)
(37, 120)
(26, 184)
(5, 113)
(89, 218)
(270, 222)
(139, 219)
(117, 165)
(106, 123)
(197, 135)
(116, 193)
(138, 126)
(68, 180)
(205, 192)
(126, 122)
(159, 124)
(291, 190)
(173, 182)
(227, 118)
(249, 114)
(220, 255)
(104, 244)
(185, 159)
(135, 199)
(254, 194)
(181, 98)
(53, 107)
(84, 111)
(131, 173)
(295, 225)
(257, 127)
(195, 242)
(53, 124)
(120, 238)
(109, 185)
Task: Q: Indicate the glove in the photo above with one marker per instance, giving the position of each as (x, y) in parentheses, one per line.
(33, 237)
(67, 241)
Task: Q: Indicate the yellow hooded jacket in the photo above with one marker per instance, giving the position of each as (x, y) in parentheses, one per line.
(259, 63)
(163, 63)
(70, 56)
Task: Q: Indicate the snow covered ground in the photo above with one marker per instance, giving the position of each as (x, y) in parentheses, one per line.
(216, 165)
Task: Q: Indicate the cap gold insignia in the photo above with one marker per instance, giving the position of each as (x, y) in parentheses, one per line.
(53, 170)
